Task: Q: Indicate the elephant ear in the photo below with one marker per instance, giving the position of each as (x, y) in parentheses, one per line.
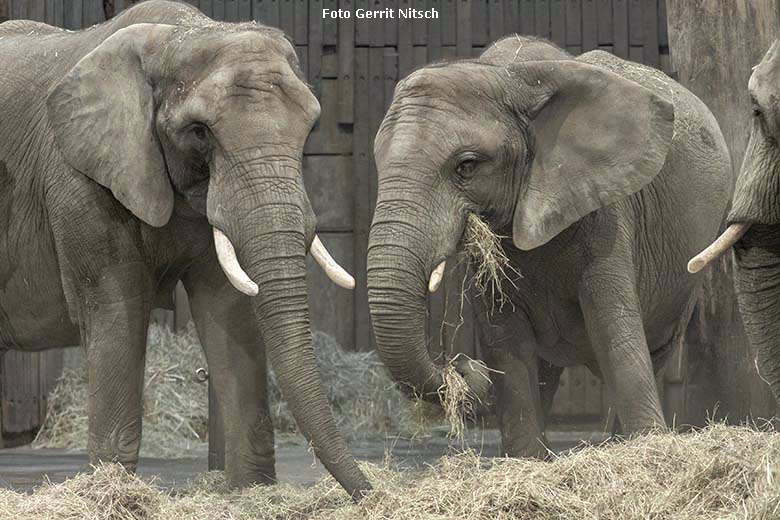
(599, 138)
(102, 114)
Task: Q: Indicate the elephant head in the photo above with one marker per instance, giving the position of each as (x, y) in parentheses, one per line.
(530, 147)
(754, 223)
(215, 118)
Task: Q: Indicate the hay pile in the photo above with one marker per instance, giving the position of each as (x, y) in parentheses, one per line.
(364, 399)
(175, 404)
(720, 472)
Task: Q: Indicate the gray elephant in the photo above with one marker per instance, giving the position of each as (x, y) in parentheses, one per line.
(154, 148)
(606, 175)
(754, 224)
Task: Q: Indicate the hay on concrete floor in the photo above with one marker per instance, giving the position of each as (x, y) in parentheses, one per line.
(364, 399)
(719, 472)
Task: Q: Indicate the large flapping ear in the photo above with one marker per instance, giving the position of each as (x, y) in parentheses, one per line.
(102, 115)
(599, 138)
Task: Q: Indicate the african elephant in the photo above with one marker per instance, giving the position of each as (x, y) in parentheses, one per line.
(606, 174)
(753, 224)
(154, 148)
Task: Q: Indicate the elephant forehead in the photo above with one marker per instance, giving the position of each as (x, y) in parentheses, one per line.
(456, 83)
(256, 76)
(270, 44)
(766, 75)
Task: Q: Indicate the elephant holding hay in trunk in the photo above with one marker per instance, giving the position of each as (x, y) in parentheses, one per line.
(605, 175)
(156, 147)
(754, 224)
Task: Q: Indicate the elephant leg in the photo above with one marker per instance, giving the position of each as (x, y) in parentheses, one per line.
(237, 370)
(508, 341)
(519, 407)
(616, 331)
(549, 378)
(114, 328)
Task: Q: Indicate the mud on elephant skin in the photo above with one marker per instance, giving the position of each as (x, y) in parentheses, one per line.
(156, 147)
(605, 174)
(754, 224)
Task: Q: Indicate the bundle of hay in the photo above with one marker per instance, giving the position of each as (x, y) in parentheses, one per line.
(489, 269)
(719, 472)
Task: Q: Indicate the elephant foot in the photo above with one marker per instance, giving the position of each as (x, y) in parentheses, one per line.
(532, 447)
(240, 480)
(244, 470)
(121, 448)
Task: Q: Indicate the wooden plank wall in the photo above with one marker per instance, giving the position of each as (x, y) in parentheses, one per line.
(26, 378)
(353, 66)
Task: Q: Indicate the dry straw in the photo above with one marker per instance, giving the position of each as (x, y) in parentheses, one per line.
(488, 264)
(457, 399)
(719, 472)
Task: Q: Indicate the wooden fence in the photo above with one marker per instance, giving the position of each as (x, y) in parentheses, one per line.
(353, 66)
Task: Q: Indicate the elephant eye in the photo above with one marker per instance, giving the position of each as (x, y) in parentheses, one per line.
(466, 167)
(199, 131)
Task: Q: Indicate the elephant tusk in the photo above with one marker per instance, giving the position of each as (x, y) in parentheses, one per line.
(436, 276)
(723, 243)
(226, 254)
(335, 272)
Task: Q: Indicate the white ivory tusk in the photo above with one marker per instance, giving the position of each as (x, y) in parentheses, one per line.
(723, 243)
(335, 272)
(436, 276)
(226, 254)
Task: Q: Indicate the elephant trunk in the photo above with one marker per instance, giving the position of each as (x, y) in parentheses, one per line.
(404, 264)
(283, 317)
(262, 245)
(757, 279)
(397, 290)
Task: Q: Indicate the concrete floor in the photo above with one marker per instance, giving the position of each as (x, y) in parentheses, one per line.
(24, 468)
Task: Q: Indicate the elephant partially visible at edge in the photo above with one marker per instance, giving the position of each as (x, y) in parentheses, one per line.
(606, 174)
(154, 148)
(754, 224)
